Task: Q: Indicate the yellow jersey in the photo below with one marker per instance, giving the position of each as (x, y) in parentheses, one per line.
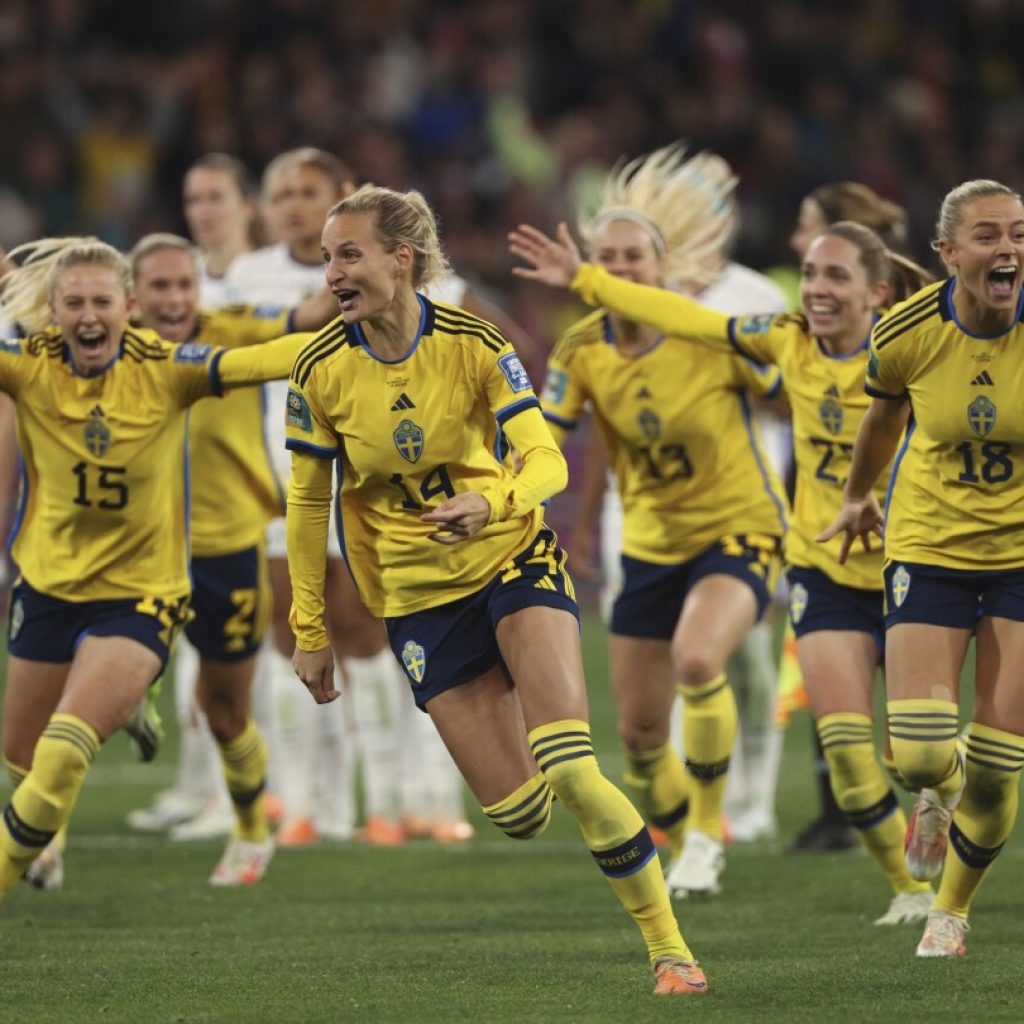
(406, 436)
(957, 487)
(235, 491)
(103, 507)
(677, 424)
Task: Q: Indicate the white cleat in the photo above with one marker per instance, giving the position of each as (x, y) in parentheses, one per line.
(216, 819)
(46, 872)
(243, 863)
(170, 808)
(927, 836)
(752, 826)
(943, 935)
(907, 908)
(696, 870)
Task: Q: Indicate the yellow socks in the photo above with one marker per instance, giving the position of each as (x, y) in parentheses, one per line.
(924, 746)
(525, 813)
(43, 801)
(864, 795)
(245, 769)
(985, 815)
(658, 782)
(613, 831)
(709, 732)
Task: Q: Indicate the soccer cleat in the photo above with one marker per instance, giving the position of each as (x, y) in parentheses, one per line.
(297, 832)
(943, 935)
(216, 819)
(907, 908)
(243, 863)
(927, 836)
(695, 871)
(379, 831)
(46, 872)
(170, 808)
(678, 977)
(822, 836)
(145, 728)
(753, 825)
(658, 837)
(446, 832)
(273, 808)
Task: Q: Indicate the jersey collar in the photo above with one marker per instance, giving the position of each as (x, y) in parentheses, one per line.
(95, 373)
(609, 337)
(856, 352)
(426, 327)
(948, 312)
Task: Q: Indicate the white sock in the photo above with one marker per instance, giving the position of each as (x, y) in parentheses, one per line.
(430, 785)
(335, 775)
(199, 769)
(295, 723)
(376, 690)
(264, 712)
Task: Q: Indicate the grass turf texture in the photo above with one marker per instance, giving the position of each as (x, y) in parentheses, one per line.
(492, 932)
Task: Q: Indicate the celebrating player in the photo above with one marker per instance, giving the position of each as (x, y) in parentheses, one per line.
(412, 400)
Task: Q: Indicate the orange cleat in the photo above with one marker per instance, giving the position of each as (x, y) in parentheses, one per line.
(451, 831)
(297, 832)
(678, 977)
(273, 808)
(380, 831)
(416, 826)
(658, 837)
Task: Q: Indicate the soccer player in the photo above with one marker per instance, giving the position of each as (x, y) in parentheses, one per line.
(703, 514)
(234, 494)
(954, 543)
(449, 546)
(836, 610)
(827, 204)
(102, 531)
(703, 211)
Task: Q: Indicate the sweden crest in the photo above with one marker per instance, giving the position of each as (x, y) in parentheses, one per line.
(414, 658)
(797, 602)
(900, 585)
(408, 440)
(97, 433)
(17, 619)
(981, 415)
(649, 424)
(830, 412)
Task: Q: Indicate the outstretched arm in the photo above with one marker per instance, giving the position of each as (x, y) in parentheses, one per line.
(256, 364)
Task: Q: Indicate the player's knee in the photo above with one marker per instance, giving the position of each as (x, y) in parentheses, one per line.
(693, 668)
(639, 734)
(524, 813)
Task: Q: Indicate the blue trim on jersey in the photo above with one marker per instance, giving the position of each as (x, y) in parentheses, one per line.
(840, 357)
(19, 514)
(878, 393)
(92, 373)
(282, 498)
(776, 389)
(510, 411)
(748, 421)
(740, 350)
(559, 421)
(357, 330)
(294, 445)
(289, 324)
(216, 386)
(911, 426)
(948, 296)
(339, 522)
(609, 337)
(187, 491)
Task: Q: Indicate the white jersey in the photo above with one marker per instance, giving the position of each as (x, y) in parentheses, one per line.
(214, 292)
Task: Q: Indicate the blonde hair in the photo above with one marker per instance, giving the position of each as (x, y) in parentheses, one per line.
(686, 205)
(952, 209)
(29, 289)
(309, 156)
(401, 218)
(157, 242)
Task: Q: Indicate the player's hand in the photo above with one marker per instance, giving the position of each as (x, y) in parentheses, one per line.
(857, 519)
(316, 670)
(552, 261)
(580, 554)
(458, 518)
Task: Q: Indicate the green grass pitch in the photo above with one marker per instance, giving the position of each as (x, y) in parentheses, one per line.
(493, 932)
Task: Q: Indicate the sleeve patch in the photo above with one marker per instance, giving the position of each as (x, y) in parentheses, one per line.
(298, 412)
(759, 324)
(515, 372)
(11, 345)
(555, 383)
(192, 352)
(872, 364)
(268, 312)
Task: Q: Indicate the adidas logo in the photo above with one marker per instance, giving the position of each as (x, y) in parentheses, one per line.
(984, 379)
(832, 391)
(96, 411)
(643, 393)
(404, 402)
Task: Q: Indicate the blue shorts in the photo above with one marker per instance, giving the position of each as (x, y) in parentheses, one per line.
(231, 600)
(652, 595)
(449, 645)
(818, 603)
(951, 597)
(44, 628)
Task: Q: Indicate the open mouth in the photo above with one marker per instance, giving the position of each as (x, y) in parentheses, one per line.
(92, 342)
(1002, 281)
(347, 299)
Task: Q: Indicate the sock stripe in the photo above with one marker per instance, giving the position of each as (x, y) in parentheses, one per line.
(627, 858)
(23, 833)
(666, 821)
(531, 812)
(707, 771)
(874, 815)
(246, 797)
(973, 855)
(76, 736)
(699, 693)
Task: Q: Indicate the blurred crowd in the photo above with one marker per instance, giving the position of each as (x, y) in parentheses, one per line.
(502, 110)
